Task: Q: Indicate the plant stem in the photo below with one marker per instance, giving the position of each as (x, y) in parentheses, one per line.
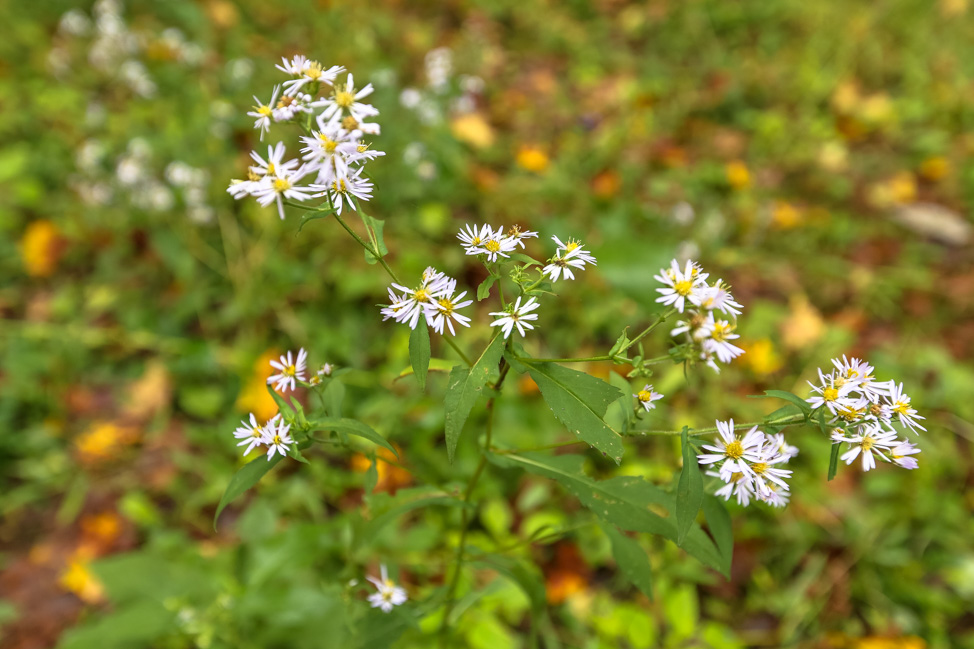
(372, 251)
(465, 515)
(660, 319)
(793, 419)
(449, 341)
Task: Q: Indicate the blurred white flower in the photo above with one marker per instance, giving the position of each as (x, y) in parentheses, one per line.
(289, 369)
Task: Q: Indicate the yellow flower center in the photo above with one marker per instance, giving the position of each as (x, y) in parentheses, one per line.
(867, 443)
(721, 329)
(421, 295)
(277, 439)
(493, 245)
(285, 101)
(339, 186)
(290, 370)
(683, 287)
(362, 148)
(264, 111)
(734, 450)
(901, 407)
(271, 169)
(446, 305)
(256, 432)
(644, 395)
(344, 99)
(760, 468)
(314, 71)
(475, 241)
(830, 394)
(328, 144)
(349, 123)
(571, 246)
(281, 184)
(849, 414)
(736, 477)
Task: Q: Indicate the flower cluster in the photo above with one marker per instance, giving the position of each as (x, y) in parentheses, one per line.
(274, 435)
(864, 411)
(435, 298)
(709, 334)
(749, 465)
(485, 241)
(334, 154)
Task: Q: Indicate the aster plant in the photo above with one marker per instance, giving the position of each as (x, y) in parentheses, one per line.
(857, 414)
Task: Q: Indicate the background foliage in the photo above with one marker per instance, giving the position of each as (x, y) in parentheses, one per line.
(816, 155)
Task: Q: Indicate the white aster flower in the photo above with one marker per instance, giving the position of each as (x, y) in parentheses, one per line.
(444, 312)
(776, 444)
(264, 113)
(290, 105)
(493, 245)
(737, 484)
(423, 300)
(346, 101)
(861, 373)
(342, 190)
(900, 455)
(835, 396)
(718, 297)
(289, 371)
(682, 286)
(275, 164)
(730, 447)
(284, 185)
(517, 315)
(471, 236)
(252, 434)
(774, 495)
(568, 256)
(899, 404)
(718, 344)
(309, 72)
(647, 396)
(294, 67)
(243, 188)
(389, 595)
(326, 370)
(574, 249)
(871, 440)
(763, 472)
(515, 232)
(277, 438)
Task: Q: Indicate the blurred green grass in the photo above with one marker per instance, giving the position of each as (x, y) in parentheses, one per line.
(800, 134)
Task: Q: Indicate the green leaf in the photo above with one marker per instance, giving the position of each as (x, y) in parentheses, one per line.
(620, 343)
(719, 524)
(624, 402)
(524, 259)
(419, 353)
(632, 560)
(353, 427)
(579, 401)
(463, 389)
(689, 491)
(484, 289)
(436, 365)
(313, 216)
(834, 461)
(385, 508)
(334, 395)
(624, 501)
(527, 577)
(248, 475)
(283, 406)
(377, 226)
(371, 474)
(787, 396)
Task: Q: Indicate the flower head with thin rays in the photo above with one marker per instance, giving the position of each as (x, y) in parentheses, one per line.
(647, 396)
(445, 311)
(729, 446)
(410, 303)
(681, 286)
(289, 370)
(344, 190)
(471, 237)
(345, 101)
(868, 442)
(901, 455)
(717, 297)
(834, 394)
(389, 595)
(568, 256)
(252, 434)
(898, 403)
(283, 186)
(264, 113)
(277, 438)
(307, 71)
(494, 245)
(718, 344)
(517, 315)
(518, 235)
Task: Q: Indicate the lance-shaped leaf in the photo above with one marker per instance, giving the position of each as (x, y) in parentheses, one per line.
(719, 524)
(484, 289)
(245, 478)
(579, 401)
(834, 461)
(626, 502)
(352, 427)
(787, 396)
(689, 490)
(419, 353)
(376, 225)
(632, 560)
(464, 387)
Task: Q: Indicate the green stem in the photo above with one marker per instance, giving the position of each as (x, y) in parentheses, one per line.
(660, 319)
(372, 251)
(451, 343)
(793, 419)
(451, 592)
